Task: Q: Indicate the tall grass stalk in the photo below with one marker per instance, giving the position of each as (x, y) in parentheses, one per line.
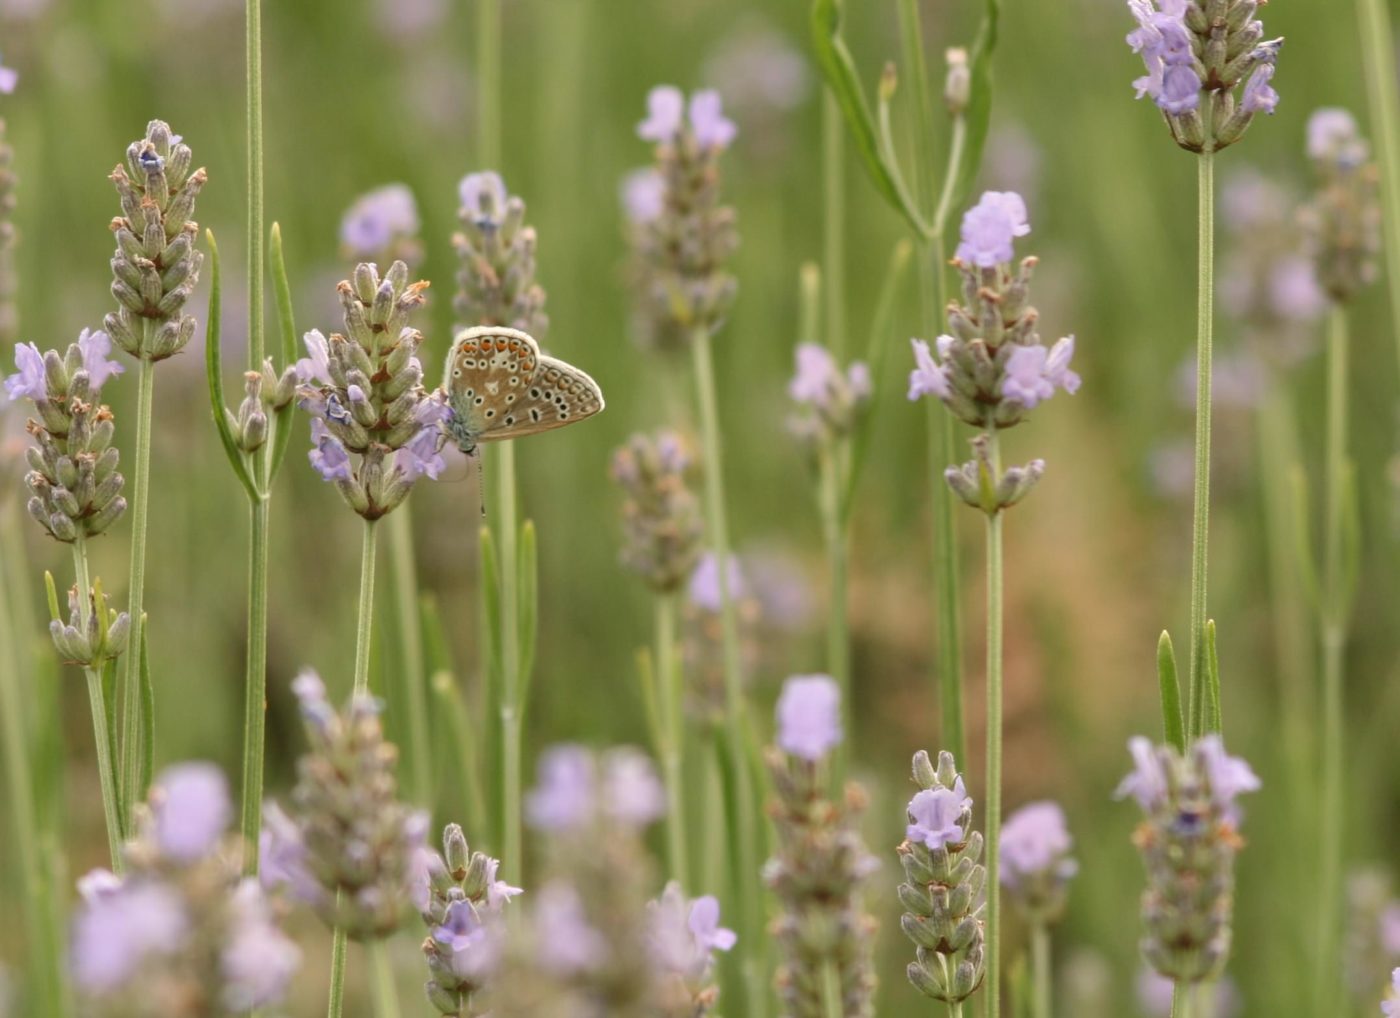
(45, 935)
(1378, 61)
(1042, 992)
(743, 847)
(994, 712)
(1200, 515)
(409, 675)
(671, 738)
(1333, 610)
(131, 751)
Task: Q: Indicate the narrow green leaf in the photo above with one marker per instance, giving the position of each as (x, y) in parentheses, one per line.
(978, 114)
(52, 592)
(491, 603)
(148, 715)
(282, 292)
(1351, 541)
(646, 678)
(1173, 725)
(215, 377)
(877, 353)
(494, 667)
(527, 591)
(436, 655)
(1302, 538)
(109, 703)
(464, 739)
(1212, 680)
(838, 67)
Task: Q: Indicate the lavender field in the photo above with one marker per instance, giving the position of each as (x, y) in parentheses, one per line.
(683, 508)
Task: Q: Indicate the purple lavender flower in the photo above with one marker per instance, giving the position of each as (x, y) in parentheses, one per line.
(1330, 128)
(498, 892)
(712, 129)
(98, 883)
(935, 818)
(929, 378)
(573, 946)
(1034, 841)
(484, 197)
(9, 78)
(643, 194)
(809, 716)
(1164, 43)
(259, 960)
(684, 935)
(463, 932)
(815, 369)
(95, 347)
(1147, 783)
(665, 114)
(563, 797)
(1294, 292)
(116, 932)
(1228, 776)
(282, 859)
(990, 227)
(328, 454)
(1259, 96)
(377, 219)
(191, 809)
(704, 582)
(1033, 372)
(632, 793)
(1391, 1007)
(315, 366)
(28, 379)
(422, 455)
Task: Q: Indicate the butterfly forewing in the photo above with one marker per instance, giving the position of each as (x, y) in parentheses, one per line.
(501, 387)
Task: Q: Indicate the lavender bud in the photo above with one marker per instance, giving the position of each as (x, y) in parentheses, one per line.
(1343, 220)
(957, 87)
(830, 401)
(662, 527)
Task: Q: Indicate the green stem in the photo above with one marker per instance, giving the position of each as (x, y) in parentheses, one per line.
(488, 82)
(111, 808)
(337, 991)
(1182, 1001)
(255, 686)
(834, 222)
(411, 680)
(365, 618)
(833, 1004)
(743, 848)
(131, 684)
(1334, 626)
(47, 951)
(1200, 520)
(838, 639)
(386, 998)
(955, 1009)
(511, 680)
(1378, 61)
(1043, 996)
(672, 741)
(994, 711)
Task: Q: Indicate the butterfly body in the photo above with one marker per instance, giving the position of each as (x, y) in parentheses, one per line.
(500, 386)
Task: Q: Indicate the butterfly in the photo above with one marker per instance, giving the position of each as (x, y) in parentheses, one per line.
(500, 386)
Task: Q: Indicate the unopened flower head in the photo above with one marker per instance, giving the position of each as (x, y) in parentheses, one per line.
(942, 893)
(496, 254)
(364, 390)
(382, 226)
(661, 522)
(1343, 220)
(73, 481)
(682, 236)
(1188, 843)
(991, 368)
(349, 847)
(1197, 54)
(1036, 866)
(181, 933)
(821, 864)
(829, 400)
(156, 265)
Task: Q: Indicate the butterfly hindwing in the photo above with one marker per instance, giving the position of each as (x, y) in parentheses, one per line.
(501, 386)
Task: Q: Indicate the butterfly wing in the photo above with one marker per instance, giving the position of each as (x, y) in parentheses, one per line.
(502, 387)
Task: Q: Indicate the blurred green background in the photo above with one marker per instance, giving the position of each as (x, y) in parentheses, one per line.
(365, 92)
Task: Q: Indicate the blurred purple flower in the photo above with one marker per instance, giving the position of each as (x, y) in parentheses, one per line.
(377, 219)
(192, 810)
(760, 70)
(328, 454)
(632, 793)
(712, 129)
(1391, 1007)
(1228, 776)
(665, 114)
(115, 933)
(498, 892)
(819, 379)
(934, 816)
(95, 347)
(1293, 290)
(684, 935)
(643, 194)
(809, 716)
(1147, 783)
(1329, 129)
(990, 227)
(563, 797)
(1035, 839)
(484, 197)
(1033, 372)
(704, 582)
(98, 883)
(259, 960)
(28, 379)
(9, 78)
(572, 946)
(282, 856)
(929, 378)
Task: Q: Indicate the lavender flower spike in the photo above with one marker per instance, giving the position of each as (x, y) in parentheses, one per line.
(661, 523)
(1035, 862)
(809, 717)
(1342, 222)
(382, 226)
